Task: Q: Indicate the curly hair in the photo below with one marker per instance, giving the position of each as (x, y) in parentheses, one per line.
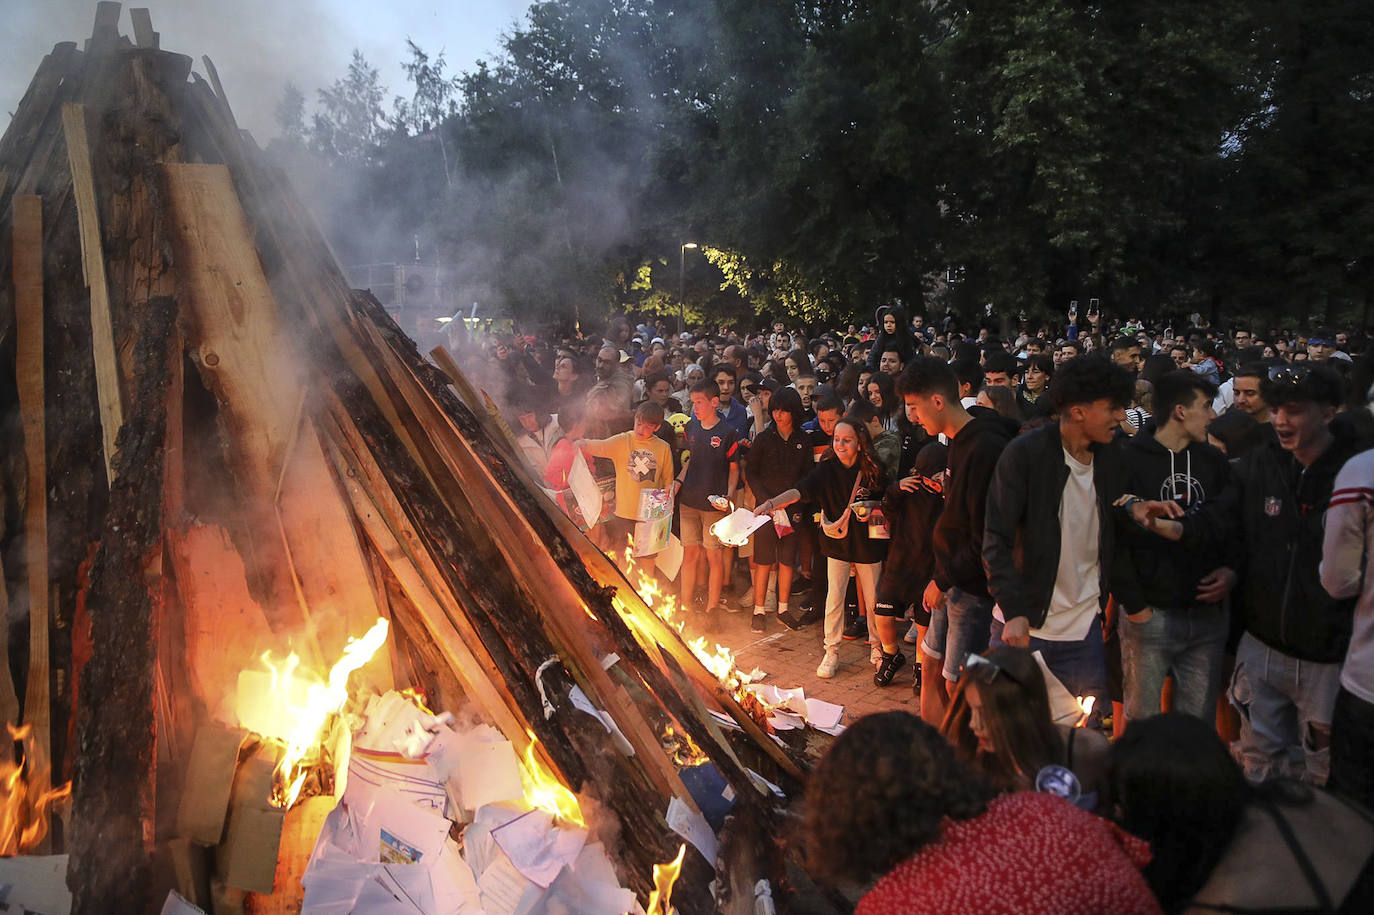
(1090, 378)
(878, 796)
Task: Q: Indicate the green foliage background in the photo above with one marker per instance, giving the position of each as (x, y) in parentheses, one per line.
(829, 157)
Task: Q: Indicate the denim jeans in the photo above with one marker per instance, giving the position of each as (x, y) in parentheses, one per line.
(964, 625)
(1285, 707)
(1187, 643)
(1352, 748)
(1081, 666)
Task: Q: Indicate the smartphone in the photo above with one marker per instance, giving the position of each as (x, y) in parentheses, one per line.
(1073, 308)
(1094, 306)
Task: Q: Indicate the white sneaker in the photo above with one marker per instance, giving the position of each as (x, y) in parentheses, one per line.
(912, 635)
(828, 664)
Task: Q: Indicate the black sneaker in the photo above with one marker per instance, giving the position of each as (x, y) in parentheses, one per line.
(856, 629)
(800, 618)
(916, 684)
(757, 622)
(888, 669)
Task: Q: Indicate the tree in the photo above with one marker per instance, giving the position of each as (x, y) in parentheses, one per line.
(350, 125)
(290, 114)
(433, 101)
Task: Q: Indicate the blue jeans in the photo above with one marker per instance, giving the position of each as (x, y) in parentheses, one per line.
(1081, 666)
(964, 625)
(1285, 707)
(1187, 643)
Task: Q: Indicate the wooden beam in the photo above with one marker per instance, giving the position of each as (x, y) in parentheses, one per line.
(28, 309)
(144, 36)
(93, 268)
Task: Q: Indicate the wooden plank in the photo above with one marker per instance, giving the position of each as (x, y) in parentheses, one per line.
(564, 611)
(9, 700)
(106, 21)
(384, 522)
(28, 309)
(305, 546)
(219, 90)
(93, 268)
(144, 36)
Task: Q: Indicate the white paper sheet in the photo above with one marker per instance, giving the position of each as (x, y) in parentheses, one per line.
(591, 885)
(735, 528)
(584, 488)
(693, 827)
(537, 848)
(669, 559)
(582, 703)
(822, 715)
(505, 891)
(488, 772)
(1063, 706)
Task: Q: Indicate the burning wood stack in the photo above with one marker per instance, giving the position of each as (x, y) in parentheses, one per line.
(216, 449)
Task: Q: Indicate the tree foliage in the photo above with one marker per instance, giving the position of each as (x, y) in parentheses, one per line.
(830, 156)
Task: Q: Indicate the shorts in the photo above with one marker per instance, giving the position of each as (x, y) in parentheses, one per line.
(964, 625)
(770, 549)
(897, 592)
(696, 527)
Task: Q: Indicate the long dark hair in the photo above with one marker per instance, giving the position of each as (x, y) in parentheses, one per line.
(1016, 712)
(1178, 788)
(879, 795)
(887, 392)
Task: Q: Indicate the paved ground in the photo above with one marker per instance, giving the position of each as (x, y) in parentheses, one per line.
(790, 658)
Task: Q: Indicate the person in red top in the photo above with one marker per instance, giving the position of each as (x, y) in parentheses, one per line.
(890, 798)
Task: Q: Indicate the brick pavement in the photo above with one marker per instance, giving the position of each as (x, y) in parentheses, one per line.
(790, 658)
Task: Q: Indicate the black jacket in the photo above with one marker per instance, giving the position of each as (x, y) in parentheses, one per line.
(1273, 512)
(775, 465)
(958, 540)
(1149, 571)
(1021, 536)
(913, 516)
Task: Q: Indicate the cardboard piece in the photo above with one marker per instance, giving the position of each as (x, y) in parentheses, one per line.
(35, 884)
(214, 758)
(247, 858)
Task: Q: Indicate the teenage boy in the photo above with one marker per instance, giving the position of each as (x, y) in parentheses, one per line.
(642, 461)
(1289, 659)
(731, 410)
(711, 470)
(957, 596)
(1051, 527)
(1170, 600)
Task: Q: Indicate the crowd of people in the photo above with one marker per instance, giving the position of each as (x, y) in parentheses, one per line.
(1175, 522)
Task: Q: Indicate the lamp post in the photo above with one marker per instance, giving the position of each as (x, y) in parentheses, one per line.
(682, 284)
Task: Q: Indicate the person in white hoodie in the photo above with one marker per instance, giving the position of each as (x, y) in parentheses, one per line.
(1347, 570)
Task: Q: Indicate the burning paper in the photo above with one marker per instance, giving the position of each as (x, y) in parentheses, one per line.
(736, 528)
(388, 846)
(291, 705)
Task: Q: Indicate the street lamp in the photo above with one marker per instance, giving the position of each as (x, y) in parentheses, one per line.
(681, 283)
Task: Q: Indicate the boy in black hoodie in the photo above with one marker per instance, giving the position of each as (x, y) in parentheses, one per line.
(1171, 613)
(961, 609)
(1289, 660)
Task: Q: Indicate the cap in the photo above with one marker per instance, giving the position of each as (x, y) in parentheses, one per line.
(624, 356)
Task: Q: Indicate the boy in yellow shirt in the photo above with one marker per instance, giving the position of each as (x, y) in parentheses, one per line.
(642, 461)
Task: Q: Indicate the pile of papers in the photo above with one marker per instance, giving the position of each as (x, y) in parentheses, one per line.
(389, 846)
(789, 709)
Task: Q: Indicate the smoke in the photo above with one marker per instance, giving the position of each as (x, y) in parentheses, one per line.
(259, 45)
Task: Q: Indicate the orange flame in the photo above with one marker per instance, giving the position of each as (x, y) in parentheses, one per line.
(545, 791)
(720, 662)
(665, 875)
(1085, 709)
(24, 814)
(291, 707)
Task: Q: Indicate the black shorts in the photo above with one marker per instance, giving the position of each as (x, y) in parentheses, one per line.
(895, 596)
(770, 549)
